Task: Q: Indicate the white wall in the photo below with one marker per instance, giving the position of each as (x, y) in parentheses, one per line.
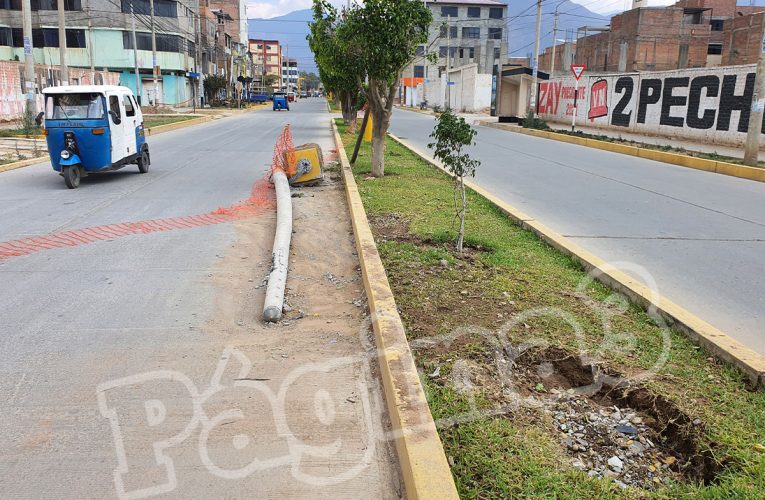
(709, 105)
(471, 91)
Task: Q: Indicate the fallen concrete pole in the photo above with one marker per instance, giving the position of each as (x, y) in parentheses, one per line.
(277, 280)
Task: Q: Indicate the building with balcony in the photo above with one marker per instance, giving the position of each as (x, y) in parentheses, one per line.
(267, 60)
(98, 35)
(463, 32)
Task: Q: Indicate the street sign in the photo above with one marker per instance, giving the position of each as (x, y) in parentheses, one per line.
(451, 83)
(577, 70)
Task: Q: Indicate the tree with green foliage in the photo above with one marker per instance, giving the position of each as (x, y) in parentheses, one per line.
(213, 84)
(382, 37)
(452, 134)
(340, 71)
(269, 80)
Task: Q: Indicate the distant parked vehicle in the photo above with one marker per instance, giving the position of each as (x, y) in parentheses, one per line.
(291, 96)
(281, 101)
(303, 95)
(258, 97)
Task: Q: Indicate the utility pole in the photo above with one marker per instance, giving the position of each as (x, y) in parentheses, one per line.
(752, 145)
(154, 54)
(555, 42)
(135, 57)
(448, 62)
(90, 48)
(29, 62)
(197, 58)
(62, 44)
(535, 63)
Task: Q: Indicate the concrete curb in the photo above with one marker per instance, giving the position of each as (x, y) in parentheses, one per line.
(697, 330)
(161, 129)
(22, 163)
(719, 167)
(420, 453)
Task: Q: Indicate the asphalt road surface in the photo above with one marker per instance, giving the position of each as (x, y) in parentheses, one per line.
(699, 235)
(110, 346)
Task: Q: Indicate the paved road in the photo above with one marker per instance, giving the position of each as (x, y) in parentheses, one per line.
(700, 235)
(166, 305)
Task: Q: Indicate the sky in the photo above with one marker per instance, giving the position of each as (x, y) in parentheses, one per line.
(273, 8)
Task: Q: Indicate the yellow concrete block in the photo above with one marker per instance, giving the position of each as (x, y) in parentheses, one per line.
(368, 130)
(308, 159)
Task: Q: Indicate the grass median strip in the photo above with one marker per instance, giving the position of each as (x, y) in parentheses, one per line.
(155, 121)
(542, 381)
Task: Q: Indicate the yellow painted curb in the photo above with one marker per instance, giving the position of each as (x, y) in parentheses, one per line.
(699, 331)
(22, 163)
(719, 167)
(420, 453)
(160, 129)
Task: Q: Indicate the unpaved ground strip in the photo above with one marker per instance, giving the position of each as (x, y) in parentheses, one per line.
(319, 358)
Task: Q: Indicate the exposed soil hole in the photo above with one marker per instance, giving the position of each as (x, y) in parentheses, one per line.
(612, 428)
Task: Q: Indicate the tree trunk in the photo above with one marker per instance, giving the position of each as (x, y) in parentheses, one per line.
(461, 236)
(378, 151)
(381, 107)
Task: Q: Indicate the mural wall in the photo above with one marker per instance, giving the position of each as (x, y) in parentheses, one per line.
(709, 105)
(12, 97)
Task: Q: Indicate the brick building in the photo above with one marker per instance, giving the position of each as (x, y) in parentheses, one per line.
(267, 57)
(688, 34)
(742, 38)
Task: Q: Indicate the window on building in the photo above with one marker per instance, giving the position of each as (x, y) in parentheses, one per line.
(497, 53)
(496, 13)
(474, 12)
(10, 4)
(260, 46)
(419, 71)
(165, 43)
(75, 39)
(129, 109)
(714, 49)
(495, 33)
(692, 17)
(42, 37)
(420, 51)
(452, 32)
(716, 24)
(449, 11)
(473, 33)
(162, 8)
(36, 5)
(6, 37)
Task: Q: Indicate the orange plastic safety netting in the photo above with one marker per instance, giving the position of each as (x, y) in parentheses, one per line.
(284, 153)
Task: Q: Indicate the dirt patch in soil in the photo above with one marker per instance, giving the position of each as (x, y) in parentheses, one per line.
(607, 426)
(612, 428)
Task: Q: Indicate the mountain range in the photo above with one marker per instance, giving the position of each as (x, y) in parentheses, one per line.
(291, 29)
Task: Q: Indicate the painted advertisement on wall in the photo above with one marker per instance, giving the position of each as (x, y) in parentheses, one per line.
(710, 105)
(13, 99)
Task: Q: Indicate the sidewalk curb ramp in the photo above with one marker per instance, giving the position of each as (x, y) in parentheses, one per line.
(421, 456)
(714, 341)
(718, 167)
